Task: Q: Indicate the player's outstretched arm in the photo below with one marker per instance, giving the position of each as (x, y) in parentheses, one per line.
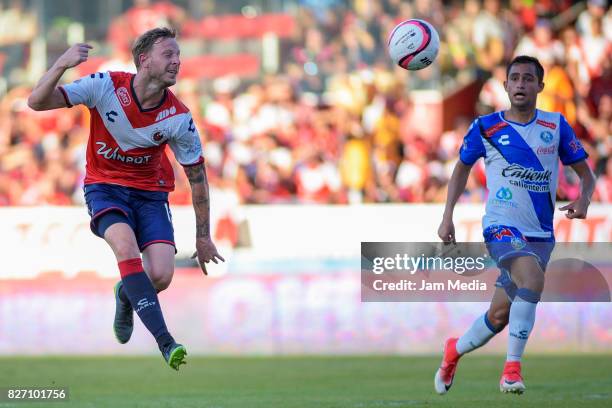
(45, 94)
(456, 186)
(205, 248)
(579, 208)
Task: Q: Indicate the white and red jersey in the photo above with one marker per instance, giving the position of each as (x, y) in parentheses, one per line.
(127, 143)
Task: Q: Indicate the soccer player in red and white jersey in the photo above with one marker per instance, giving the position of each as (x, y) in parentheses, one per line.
(128, 177)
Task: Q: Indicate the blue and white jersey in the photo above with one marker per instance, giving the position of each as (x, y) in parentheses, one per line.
(522, 167)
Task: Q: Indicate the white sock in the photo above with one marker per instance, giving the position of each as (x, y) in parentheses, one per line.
(478, 335)
(522, 319)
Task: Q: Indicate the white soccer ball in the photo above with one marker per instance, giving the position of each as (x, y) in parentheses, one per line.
(413, 44)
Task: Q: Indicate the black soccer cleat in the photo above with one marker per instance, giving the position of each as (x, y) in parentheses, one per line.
(123, 325)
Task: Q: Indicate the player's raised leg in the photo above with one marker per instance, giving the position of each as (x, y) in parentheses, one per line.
(529, 279)
(140, 291)
(482, 330)
(158, 260)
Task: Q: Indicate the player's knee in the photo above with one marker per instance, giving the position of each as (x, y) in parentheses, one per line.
(499, 317)
(527, 273)
(126, 251)
(161, 279)
(122, 241)
(162, 284)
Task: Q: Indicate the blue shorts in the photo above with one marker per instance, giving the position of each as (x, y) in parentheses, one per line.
(147, 212)
(506, 243)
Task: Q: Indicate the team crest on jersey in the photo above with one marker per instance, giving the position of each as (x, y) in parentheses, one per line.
(124, 96)
(158, 136)
(498, 126)
(546, 136)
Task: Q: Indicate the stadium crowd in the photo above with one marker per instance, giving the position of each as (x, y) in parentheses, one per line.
(333, 125)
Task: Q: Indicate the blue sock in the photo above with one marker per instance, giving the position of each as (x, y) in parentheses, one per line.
(478, 335)
(144, 301)
(522, 319)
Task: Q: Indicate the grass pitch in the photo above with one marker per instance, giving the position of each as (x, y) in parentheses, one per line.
(299, 382)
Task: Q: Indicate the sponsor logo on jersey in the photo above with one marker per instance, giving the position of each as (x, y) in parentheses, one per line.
(113, 154)
(528, 178)
(504, 194)
(124, 96)
(549, 125)
(165, 113)
(546, 136)
(526, 173)
(498, 126)
(503, 198)
(546, 150)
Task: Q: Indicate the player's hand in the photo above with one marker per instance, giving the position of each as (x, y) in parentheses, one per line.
(446, 231)
(74, 55)
(206, 252)
(576, 209)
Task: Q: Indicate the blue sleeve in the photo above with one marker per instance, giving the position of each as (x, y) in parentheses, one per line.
(570, 148)
(472, 148)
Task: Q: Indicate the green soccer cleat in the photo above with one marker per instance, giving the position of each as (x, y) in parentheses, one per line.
(175, 355)
(123, 326)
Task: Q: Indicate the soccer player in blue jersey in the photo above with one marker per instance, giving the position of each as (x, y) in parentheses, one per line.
(128, 175)
(521, 148)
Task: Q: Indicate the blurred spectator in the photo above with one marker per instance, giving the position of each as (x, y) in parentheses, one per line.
(18, 28)
(488, 36)
(603, 188)
(493, 96)
(599, 127)
(354, 164)
(121, 60)
(541, 44)
(595, 48)
(142, 16)
(558, 92)
(317, 181)
(596, 9)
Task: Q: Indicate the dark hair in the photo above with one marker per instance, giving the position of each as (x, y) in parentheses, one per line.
(525, 59)
(145, 42)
